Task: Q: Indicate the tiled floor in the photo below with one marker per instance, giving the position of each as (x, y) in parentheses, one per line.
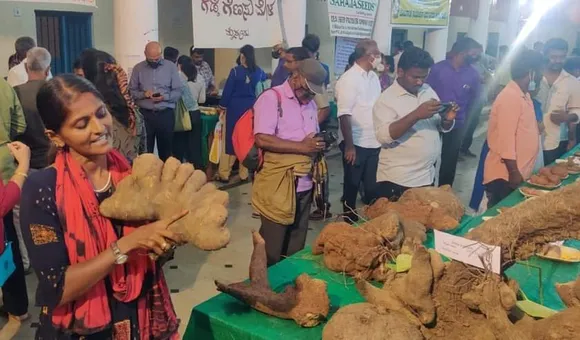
(192, 273)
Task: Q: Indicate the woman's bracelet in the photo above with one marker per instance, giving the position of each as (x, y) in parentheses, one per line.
(23, 174)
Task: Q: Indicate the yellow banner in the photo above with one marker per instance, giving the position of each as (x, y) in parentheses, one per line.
(426, 13)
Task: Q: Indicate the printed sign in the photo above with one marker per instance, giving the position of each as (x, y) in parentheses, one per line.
(234, 23)
(468, 251)
(343, 49)
(425, 13)
(73, 2)
(352, 18)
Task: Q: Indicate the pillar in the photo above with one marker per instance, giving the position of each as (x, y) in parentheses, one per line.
(436, 43)
(136, 24)
(293, 20)
(383, 29)
(478, 28)
(512, 25)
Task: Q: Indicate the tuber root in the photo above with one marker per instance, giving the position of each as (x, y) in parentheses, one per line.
(569, 292)
(307, 303)
(362, 321)
(157, 190)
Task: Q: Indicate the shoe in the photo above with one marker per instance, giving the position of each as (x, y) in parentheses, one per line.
(256, 215)
(468, 153)
(223, 181)
(319, 215)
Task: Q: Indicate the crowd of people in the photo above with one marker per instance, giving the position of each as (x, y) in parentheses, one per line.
(68, 140)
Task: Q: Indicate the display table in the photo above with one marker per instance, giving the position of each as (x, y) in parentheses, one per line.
(224, 317)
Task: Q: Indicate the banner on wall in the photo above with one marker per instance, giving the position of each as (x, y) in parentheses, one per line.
(352, 18)
(92, 3)
(343, 49)
(234, 23)
(424, 13)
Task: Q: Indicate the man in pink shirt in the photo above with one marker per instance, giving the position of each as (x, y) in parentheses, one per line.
(289, 131)
(513, 131)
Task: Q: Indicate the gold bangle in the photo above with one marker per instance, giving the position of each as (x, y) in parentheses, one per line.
(21, 174)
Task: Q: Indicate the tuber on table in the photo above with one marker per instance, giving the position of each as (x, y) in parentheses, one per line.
(437, 208)
(569, 292)
(365, 321)
(157, 190)
(307, 303)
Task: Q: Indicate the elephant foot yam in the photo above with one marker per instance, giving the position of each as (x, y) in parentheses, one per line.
(380, 207)
(439, 198)
(363, 321)
(569, 292)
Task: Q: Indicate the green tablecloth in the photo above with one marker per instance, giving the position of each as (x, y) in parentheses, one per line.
(223, 317)
(207, 126)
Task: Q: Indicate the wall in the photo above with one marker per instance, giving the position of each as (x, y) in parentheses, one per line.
(317, 21)
(25, 25)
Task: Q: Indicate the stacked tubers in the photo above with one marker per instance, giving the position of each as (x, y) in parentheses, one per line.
(157, 190)
(307, 303)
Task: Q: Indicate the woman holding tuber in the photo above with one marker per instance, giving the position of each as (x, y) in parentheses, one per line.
(95, 278)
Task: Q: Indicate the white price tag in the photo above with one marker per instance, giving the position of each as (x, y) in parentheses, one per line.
(468, 251)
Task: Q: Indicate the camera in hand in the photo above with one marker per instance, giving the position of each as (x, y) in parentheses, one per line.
(329, 138)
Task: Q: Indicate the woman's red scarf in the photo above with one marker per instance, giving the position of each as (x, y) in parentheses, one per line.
(86, 234)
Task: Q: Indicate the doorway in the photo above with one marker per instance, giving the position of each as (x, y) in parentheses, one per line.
(65, 35)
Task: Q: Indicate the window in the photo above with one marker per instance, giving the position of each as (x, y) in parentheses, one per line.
(65, 35)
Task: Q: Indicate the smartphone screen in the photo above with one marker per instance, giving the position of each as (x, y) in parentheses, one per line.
(444, 108)
(156, 94)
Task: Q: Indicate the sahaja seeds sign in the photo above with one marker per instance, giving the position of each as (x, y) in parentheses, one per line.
(352, 18)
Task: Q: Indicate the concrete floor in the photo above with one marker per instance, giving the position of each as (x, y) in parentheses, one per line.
(191, 275)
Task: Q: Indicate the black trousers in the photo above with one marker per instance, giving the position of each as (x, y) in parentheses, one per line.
(159, 126)
(452, 142)
(14, 294)
(496, 191)
(390, 190)
(187, 145)
(550, 156)
(363, 171)
(286, 240)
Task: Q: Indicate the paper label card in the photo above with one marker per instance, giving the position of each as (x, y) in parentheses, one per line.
(470, 252)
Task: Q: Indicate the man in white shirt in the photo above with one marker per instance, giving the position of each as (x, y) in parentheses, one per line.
(560, 97)
(356, 93)
(408, 124)
(18, 74)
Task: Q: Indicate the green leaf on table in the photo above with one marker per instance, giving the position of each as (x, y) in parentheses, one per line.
(403, 263)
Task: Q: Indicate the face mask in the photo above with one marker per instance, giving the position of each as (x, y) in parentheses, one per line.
(275, 55)
(153, 63)
(378, 63)
(532, 86)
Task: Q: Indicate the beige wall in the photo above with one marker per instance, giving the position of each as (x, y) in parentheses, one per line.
(12, 27)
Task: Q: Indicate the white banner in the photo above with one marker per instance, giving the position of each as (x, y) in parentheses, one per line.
(352, 18)
(92, 3)
(234, 23)
(343, 49)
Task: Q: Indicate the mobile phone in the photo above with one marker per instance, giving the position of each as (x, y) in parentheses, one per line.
(444, 108)
(156, 94)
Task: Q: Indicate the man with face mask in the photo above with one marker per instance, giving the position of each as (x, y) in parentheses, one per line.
(456, 80)
(156, 86)
(356, 92)
(285, 124)
(513, 131)
(560, 99)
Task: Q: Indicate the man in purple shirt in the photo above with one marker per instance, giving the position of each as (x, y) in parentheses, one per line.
(285, 124)
(455, 80)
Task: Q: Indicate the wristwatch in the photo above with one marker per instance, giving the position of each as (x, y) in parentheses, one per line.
(120, 258)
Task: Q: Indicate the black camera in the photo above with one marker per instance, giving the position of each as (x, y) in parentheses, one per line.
(329, 138)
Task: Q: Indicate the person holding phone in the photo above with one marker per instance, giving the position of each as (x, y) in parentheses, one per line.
(95, 279)
(408, 119)
(156, 87)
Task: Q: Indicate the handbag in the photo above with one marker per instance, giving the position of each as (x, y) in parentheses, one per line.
(182, 118)
(7, 266)
(216, 144)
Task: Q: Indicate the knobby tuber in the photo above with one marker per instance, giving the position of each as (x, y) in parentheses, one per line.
(307, 303)
(157, 190)
(437, 208)
(365, 321)
(569, 292)
(524, 229)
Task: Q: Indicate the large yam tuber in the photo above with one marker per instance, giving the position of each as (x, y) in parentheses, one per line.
(569, 292)
(307, 303)
(157, 190)
(437, 208)
(364, 321)
(524, 229)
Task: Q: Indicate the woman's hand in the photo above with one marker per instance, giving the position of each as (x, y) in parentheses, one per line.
(155, 236)
(20, 152)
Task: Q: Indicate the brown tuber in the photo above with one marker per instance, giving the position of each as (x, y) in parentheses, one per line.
(157, 190)
(307, 303)
(569, 292)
